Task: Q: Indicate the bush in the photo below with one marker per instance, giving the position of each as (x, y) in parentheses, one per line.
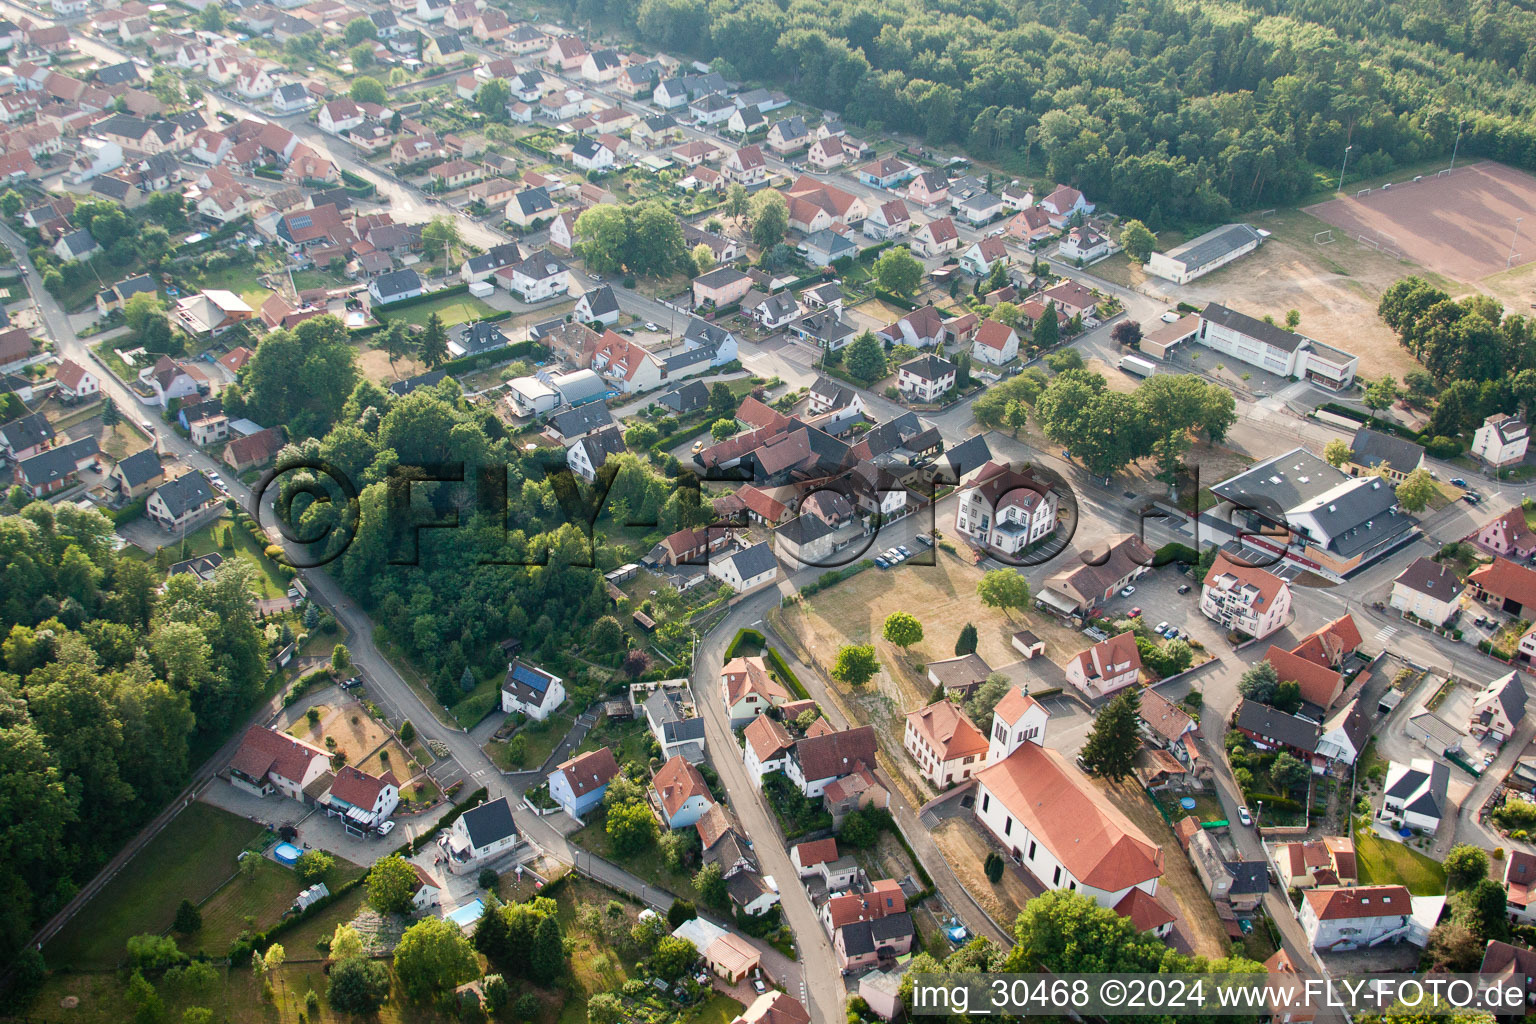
(488, 879)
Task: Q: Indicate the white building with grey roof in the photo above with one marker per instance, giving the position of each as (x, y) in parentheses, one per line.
(1210, 251)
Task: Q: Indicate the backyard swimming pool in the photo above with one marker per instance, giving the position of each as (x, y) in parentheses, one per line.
(468, 914)
(287, 853)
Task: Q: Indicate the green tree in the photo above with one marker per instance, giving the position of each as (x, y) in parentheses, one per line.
(855, 664)
(1292, 319)
(434, 342)
(1465, 866)
(434, 957)
(672, 957)
(168, 209)
(1047, 330)
(710, 885)
(358, 30)
(984, 700)
(1337, 452)
(1380, 394)
(898, 271)
(604, 1008)
(902, 629)
(1259, 682)
(722, 429)
(346, 942)
(358, 986)
(546, 961)
(1005, 589)
(703, 258)
(391, 884)
(361, 56)
(1137, 241)
(993, 867)
(721, 401)
(1481, 908)
(1289, 774)
(368, 90)
(441, 239)
(631, 828)
(865, 358)
(313, 865)
(341, 659)
(737, 201)
(1416, 490)
(966, 644)
(11, 202)
(188, 918)
(769, 215)
(1110, 750)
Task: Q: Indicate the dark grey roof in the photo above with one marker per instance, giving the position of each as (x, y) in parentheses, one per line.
(397, 282)
(754, 561)
(495, 258)
(929, 366)
(117, 74)
(383, 19)
(57, 463)
(699, 331)
(662, 706)
(292, 91)
(602, 443)
(490, 822)
(601, 301)
(791, 128)
(78, 242)
(190, 121)
(604, 59)
(660, 122)
(837, 395)
(31, 429)
(865, 937)
(719, 276)
(691, 396)
(825, 326)
(481, 337)
(972, 453)
(1372, 448)
(185, 493)
(449, 42)
(1278, 337)
(1249, 878)
(1263, 720)
(1213, 245)
(745, 886)
(581, 419)
(585, 147)
(540, 265)
(1433, 579)
(802, 530)
(421, 380)
(140, 467)
(1430, 787)
(202, 566)
(112, 188)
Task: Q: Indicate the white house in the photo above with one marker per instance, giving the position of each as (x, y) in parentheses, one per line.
(364, 801)
(540, 276)
(531, 690)
(1520, 885)
(681, 793)
(1336, 920)
(1106, 667)
(995, 343)
(1245, 599)
(1205, 253)
(1344, 734)
(339, 116)
(1059, 828)
(75, 381)
(1415, 794)
(394, 286)
(1063, 203)
(816, 762)
(946, 745)
(598, 306)
(935, 238)
(1006, 509)
(1084, 243)
(1429, 591)
(591, 155)
(766, 749)
(589, 454)
(983, 255)
(1498, 708)
(746, 569)
(927, 378)
(747, 690)
(479, 836)
(427, 892)
(888, 220)
(268, 761)
(626, 365)
(174, 503)
(1501, 440)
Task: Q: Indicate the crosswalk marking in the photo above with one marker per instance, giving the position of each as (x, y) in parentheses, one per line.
(1385, 634)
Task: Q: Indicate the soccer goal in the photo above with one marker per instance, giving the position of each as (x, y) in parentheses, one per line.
(1369, 243)
(1362, 192)
(1323, 237)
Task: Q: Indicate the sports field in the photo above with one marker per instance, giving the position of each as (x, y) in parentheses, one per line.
(1460, 224)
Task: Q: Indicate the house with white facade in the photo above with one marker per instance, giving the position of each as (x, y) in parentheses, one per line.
(1501, 440)
(362, 801)
(268, 761)
(747, 690)
(1062, 830)
(1498, 708)
(1006, 509)
(1415, 794)
(1106, 667)
(1336, 920)
(746, 569)
(926, 379)
(1244, 599)
(766, 749)
(1429, 591)
(816, 762)
(1274, 349)
(533, 691)
(480, 836)
(995, 343)
(945, 743)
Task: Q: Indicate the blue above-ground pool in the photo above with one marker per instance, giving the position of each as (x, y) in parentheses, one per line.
(1187, 802)
(287, 853)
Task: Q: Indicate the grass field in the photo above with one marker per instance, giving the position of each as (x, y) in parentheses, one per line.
(244, 281)
(257, 902)
(647, 865)
(1383, 862)
(455, 309)
(188, 860)
(269, 582)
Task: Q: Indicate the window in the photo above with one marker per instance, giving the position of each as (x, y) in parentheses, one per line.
(1007, 826)
(986, 801)
(1031, 849)
(1056, 878)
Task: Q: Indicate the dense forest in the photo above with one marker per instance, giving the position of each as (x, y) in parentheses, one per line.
(1170, 110)
(106, 682)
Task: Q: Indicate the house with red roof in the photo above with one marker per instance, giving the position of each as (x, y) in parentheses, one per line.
(748, 690)
(1245, 599)
(681, 794)
(1106, 667)
(995, 343)
(767, 748)
(579, 783)
(1337, 920)
(1058, 827)
(935, 238)
(75, 381)
(1505, 586)
(1509, 535)
(362, 800)
(268, 761)
(1320, 685)
(1006, 509)
(946, 745)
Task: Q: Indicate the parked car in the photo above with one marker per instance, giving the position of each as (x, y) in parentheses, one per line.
(651, 327)
(758, 986)
(698, 446)
(1136, 612)
(1170, 317)
(1128, 590)
(1160, 628)
(881, 563)
(1472, 498)
(1458, 481)
(926, 540)
(386, 828)
(906, 552)
(1183, 588)
(1243, 816)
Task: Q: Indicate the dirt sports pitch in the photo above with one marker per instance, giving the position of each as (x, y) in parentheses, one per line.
(1460, 224)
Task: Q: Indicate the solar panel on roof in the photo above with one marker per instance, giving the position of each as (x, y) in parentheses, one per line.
(528, 677)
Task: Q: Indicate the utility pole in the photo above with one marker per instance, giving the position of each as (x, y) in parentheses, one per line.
(1342, 166)
(1455, 147)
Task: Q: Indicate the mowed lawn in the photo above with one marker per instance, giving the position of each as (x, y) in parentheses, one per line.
(1383, 862)
(261, 899)
(455, 309)
(188, 860)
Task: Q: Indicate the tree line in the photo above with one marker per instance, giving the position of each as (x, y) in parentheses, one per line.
(1172, 113)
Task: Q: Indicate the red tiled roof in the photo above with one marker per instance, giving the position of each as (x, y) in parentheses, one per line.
(1266, 583)
(677, 782)
(70, 374)
(360, 789)
(995, 334)
(589, 771)
(1359, 902)
(767, 738)
(1146, 912)
(749, 675)
(836, 754)
(947, 730)
(1319, 684)
(817, 851)
(263, 752)
(1332, 643)
(1503, 578)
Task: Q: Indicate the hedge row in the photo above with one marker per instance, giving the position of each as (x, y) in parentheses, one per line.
(129, 512)
(835, 576)
(241, 949)
(1175, 552)
(894, 299)
(521, 350)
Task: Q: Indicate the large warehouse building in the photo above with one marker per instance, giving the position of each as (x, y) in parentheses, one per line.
(1199, 256)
